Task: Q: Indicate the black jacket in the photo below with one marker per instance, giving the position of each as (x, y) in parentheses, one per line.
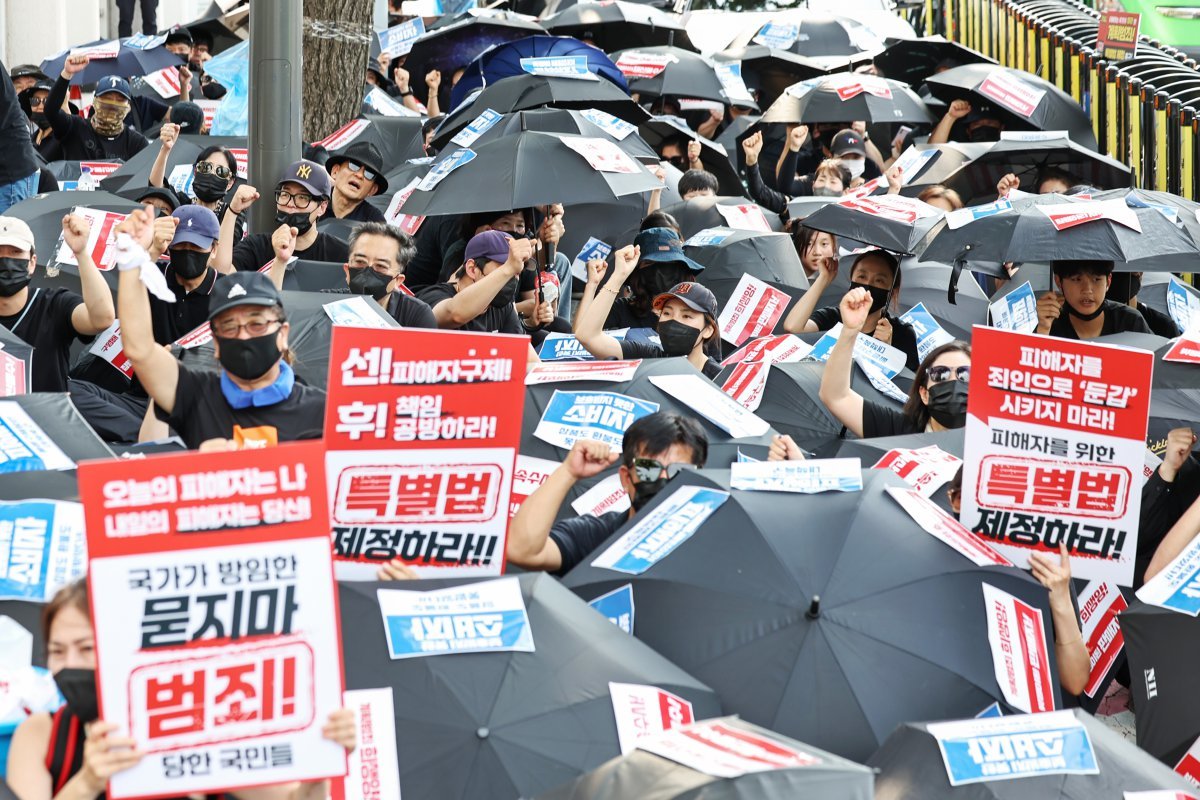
(19, 161)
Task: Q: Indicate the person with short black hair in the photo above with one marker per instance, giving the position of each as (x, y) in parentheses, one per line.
(660, 219)
(479, 295)
(379, 254)
(651, 448)
(1082, 295)
(357, 173)
(698, 183)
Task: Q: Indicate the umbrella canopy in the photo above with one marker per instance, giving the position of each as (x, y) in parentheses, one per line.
(564, 120)
(713, 156)
(769, 71)
(914, 60)
(809, 34)
(225, 29)
(44, 212)
(925, 282)
(397, 138)
(455, 45)
(911, 757)
(505, 61)
(525, 170)
(1021, 100)
(507, 724)
(844, 97)
(700, 213)
(534, 91)
(1165, 644)
(770, 257)
(831, 618)
(896, 223)
(54, 413)
(670, 71)
(619, 25)
(650, 777)
(130, 62)
(950, 157)
(976, 181)
(871, 450)
(135, 173)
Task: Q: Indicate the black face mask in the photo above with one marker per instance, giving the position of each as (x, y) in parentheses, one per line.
(14, 275)
(1125, 285)
(984, 133)
(209, 188)
(645, 491)
(364, 280)
(948, 403)
(78, 686)
(40, 120)
(188, 264)
(1077, 314)
(248, 359)
(677, 338)
(879, 297)
(506, 295)
(300, 220)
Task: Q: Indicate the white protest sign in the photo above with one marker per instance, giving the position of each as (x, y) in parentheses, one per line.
(101, 239)
(1019, 653)
(374, 769)
(926, 469)
(699, 394)
(753, 310)
(444, 167)
(488, 616)
(730, 76)
(1099, 604)
(603, 155)
(607, 495)
(528, 475)
(719, 748)
(645, 711)
(964, 216)
(24, 446)
(805, 477)
(593, 249)
(166, 82)
(662, 529)
(600, 416)
(398, 40)
(615, 127)
(606, 371)
(476, 128)
(1183, 304)
(108, 346)
(1177, 586)
(384, 104)
(1011, 92)
(936, 522)
(354, 311)
(1019, 746)
(930, 335)
(1016, 311)
(744, 217)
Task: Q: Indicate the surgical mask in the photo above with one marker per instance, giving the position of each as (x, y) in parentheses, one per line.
(506, 295)
(78, 686)
(1124, 286)
(855, 165)
(189, 264)
(948, 403)
(826, 191)
(300, 220)
(109, 119)
(879, 296)
(365, 280)
(249, 359)
(677, 338)
(210, 188)
(14, 275)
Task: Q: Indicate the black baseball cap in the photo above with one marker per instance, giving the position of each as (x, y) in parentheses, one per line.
(847, 141)
(693, 295)
(243, 289)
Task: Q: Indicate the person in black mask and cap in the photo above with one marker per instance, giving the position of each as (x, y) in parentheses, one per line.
(661, 264)
(937, 401)
(189, 277)
(1081, 308)
(301, 198)
(650, 448)
(1124, 291)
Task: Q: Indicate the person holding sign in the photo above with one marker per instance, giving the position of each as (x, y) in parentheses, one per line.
(50, 319)
(938, 399)
(71, 754)
(878, 273)
(1082, 294)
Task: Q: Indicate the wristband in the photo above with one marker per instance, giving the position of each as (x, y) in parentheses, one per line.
(407, 93)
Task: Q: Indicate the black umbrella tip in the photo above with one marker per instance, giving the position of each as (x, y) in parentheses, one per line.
(814, 608)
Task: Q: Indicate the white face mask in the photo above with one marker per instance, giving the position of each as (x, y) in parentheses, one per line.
(855, 165)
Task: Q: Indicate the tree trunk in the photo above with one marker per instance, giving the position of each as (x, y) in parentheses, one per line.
(337, 36)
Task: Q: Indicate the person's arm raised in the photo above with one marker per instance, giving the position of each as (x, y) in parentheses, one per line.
(799, 319)
(843, 402)
(1074, 664)
(1176, 541)
(243, 198)
(941, 134)
(589, 329)
(466, 305)
(96, 312)
(60, 121)
(167, 136)
(283, 242)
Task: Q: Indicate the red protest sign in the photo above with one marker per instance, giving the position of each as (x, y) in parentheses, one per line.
(753, 310)
(1185, 349)
(422, 429)
(215, 614)
(13, 380)
(1117, 35)
(1099, 604)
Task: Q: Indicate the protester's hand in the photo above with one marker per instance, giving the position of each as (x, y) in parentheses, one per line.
(883, 331)
(542, 315)
(520, 250)
(383, 59)
(658, 172)
(855, 308)
(139, 225)
(243, 198)
(716, 114)
(433, 79)
(76, 230)
(958, 109)
(784, 448)
(164, 233)
(185, 75)
(894, 178)
(1179, 446)
(283, 242)
(752, 146)
(797, 136)
(859, 127)
(1054, 576)
(74, 65)
(828, 270)
(626, 261)
(588, 458)
(218, 445)
(1007, 184)
(552, 228)
(395, 570)
(104, 755)
(596, 268)
(168, 135)
(400, 78)
(1049, 308)
(693, 154)
(341, 729)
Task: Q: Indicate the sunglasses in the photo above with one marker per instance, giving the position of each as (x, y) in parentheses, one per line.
(369, 174)
(944, 373)
(209, 168)
(649, 470)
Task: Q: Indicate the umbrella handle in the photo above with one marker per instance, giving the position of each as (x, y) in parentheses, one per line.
(955, 271)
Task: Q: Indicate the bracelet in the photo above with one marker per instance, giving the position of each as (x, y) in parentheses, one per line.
(1066, 644)
(608, 288)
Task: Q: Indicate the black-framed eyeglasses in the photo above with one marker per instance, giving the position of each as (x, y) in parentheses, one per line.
(358, 262)
(943, 373)
(300, 201)
(209, 168)
(255, 327)
(369, 174)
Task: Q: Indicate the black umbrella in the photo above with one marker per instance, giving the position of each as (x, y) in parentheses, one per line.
(455, 45)
(62, 424)
(911, 757)
(44, 212)
(950, 157)
(769, 71)
(566, 120)
(871, 450)
(1026, 101)
(925, 282)
(830, 618)
(809, 34)
(1183, 212)
(135, 173)
(976, 181)
(523, 92)
(670, 72)
(221, 27)
(801, 208)
(506, 724)
(770, 257)
(619, 25)
(645, 775)
(13, 346)
(397, 138)
(130, 62)
(1162, 646)
(847, 96)
(713, 156)
(914, 60)
(524, 170)
(700, 213)
(892, 222)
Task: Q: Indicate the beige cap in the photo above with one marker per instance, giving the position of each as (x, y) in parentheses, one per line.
(16, 233)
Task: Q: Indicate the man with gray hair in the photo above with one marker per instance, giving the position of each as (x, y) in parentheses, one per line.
(379, 254)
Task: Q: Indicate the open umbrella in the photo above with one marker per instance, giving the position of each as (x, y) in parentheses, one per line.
(650, 777)
(809, 34)
(507, 724)
(700, 213)
(1022, 100)
(769, 70)
(449, 47)
(950, 157)
(135, 173)
(129, 62)
(830, 618)
(712, 155)
(925, 282)
(871, 450)
(398, 138)
(566, 120)
(914, 60)
(62, 424)
(670, 71)
(618, 25)
(770, 257)
(509, 60)
(844, 97)
(528, 169)
(892, 222)
(225, 29)
(43, 214)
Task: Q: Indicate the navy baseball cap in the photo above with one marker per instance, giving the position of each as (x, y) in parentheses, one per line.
(664, 245)
(197, 225)
(310, 175)
(243, 289)
(487, 246)
(693, 295)
(114, 83)
(847, 141)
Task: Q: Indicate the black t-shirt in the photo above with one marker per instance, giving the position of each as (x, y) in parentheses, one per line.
(622, 315)
(255, 251)
(1118, 318)
(201, 413)
(1160, 324)
(904, 338)
(879, 420)
(411, 312)
(45, 324)
(363, 212)
(650, 350)
(577, 537)
(189, 311)
(492, 320)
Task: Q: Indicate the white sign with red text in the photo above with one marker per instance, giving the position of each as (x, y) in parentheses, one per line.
(723, 749)
(1011, 92)
(637, 64)
(646, 711)
(107, 346)
(1019, 653)
(744, 217)
(1189, 765)
(1067, 215)
(1099, 604)
(374, 769)
(607, 495)
(166, 83)
(603, 155)
(101, 240)
(530, 473)
(946, 528)
(926, 469)
(607, 371)
(753, 310)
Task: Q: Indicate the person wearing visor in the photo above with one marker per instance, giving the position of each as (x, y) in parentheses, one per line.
(105, 135)
(877, 272)
(301, 197)
(254, 400)
(1080, 309)
(653, 448)
(937, 401)
(357, 174)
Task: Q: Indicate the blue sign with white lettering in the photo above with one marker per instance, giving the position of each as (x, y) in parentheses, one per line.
(930, 335)
(658, 532)
(558, 66)
(26, 549)
(398, 39)
(565, 347)
(472, 618)
(617, 605)
(600, 416)
(1015, 747)
(778, 35)
(445, 166)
